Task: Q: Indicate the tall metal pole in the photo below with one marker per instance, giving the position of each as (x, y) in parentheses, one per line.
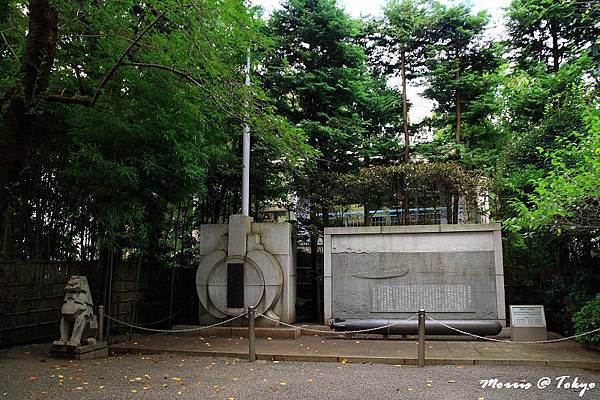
(421, 327)
(246, 146)
(101, 323)
(251, 334)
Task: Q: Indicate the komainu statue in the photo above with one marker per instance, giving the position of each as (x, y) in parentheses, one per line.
(78, 323)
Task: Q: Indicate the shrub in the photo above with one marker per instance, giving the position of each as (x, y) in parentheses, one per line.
(587, 319)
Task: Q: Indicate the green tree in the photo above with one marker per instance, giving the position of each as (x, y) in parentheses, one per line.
(461, 66)
(551, 31)
(401, 41)
(113, 115)
(566, 197)
(317, 76)
(547, 119)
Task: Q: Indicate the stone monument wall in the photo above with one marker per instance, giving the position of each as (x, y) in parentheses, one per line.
(243, 264)
(452, 271)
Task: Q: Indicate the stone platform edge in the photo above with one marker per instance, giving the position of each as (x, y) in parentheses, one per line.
(362, 230)
(583, 364)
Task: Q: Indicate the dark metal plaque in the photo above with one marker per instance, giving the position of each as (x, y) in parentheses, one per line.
(235, 285)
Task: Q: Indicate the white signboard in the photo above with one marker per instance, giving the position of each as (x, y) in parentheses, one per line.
(527, 317)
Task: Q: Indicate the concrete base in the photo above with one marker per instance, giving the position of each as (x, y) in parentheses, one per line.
(528, 333)
(88, 352)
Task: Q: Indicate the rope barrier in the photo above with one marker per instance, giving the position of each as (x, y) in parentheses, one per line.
(513, 341)
(329, 331)
(198, 328)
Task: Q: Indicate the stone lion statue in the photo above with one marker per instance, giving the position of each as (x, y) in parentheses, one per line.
(78, 323)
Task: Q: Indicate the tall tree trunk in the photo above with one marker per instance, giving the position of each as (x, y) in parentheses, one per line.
(314, 254)
(404, 108)
(455, 206)
(406, 204)
(19, 120)
(448, 203)
(555, 50)
(458, 111)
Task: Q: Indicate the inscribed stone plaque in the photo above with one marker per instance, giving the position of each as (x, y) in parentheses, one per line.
(433, 297)
(527, 316)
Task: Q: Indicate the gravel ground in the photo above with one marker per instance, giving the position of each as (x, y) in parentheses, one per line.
(26, 373)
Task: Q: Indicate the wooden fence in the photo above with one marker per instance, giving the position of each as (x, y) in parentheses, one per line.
(31, 296)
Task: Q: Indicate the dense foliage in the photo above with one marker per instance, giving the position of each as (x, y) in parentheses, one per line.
(587, 319)
(120, 120)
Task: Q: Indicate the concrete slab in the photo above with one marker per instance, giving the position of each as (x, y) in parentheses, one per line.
(359, 350)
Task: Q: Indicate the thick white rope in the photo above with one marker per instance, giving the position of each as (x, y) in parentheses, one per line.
(513, 341)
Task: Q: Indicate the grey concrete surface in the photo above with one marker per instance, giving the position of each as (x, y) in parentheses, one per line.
(372, 273)
(26, 373)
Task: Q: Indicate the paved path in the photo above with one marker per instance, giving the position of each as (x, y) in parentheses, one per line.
(26, 373)
(566, 354)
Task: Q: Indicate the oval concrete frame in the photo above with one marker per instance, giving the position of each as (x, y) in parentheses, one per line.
(212, 289)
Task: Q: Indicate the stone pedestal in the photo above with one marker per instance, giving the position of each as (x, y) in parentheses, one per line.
(528, 322)
(247, 264)
(87, 352)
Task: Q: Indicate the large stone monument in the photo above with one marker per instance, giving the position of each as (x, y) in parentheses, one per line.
(452, 271)
(243, 264)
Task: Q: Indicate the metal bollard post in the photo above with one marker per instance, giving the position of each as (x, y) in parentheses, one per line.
(100, 323)
(421, 355)
(251, 335)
